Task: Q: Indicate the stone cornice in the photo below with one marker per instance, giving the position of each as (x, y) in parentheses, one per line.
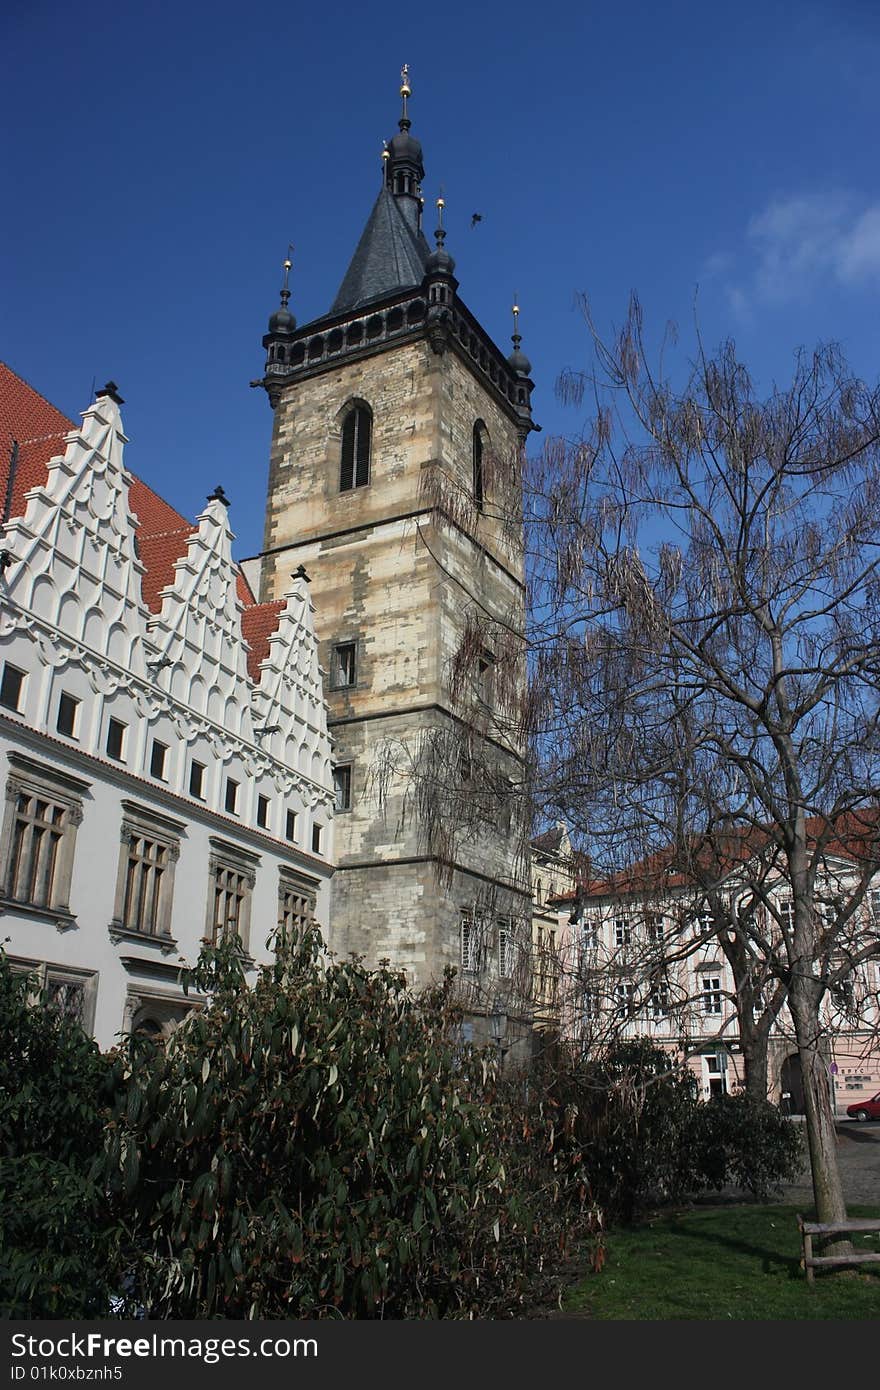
(333, 340)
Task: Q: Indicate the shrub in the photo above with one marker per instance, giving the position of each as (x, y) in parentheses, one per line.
(319, 1144)
(747, 1143)
(55, 1240)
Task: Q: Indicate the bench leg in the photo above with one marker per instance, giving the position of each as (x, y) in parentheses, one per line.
(808, 1256)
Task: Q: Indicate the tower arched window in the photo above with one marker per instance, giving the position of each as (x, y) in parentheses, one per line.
(357, 432)
(478, 481)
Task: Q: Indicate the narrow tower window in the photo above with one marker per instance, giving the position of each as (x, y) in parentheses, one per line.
(357, 431)
(478, 465)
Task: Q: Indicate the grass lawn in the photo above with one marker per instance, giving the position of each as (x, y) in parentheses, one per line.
(722, 1262)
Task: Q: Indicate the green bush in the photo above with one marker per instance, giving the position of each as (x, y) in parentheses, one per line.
(644, 1139)
(318, 1144)
(56, 1242)
(747, 1143)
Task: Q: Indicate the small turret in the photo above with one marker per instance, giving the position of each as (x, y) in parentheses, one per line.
(404, 169)
(440, 285)
(282, 326)
(521, 367)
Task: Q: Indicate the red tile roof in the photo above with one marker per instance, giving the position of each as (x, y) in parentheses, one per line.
(853, 835)
(39, 429)
(258, 622)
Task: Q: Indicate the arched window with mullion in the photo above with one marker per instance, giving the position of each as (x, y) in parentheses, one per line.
(357, 431)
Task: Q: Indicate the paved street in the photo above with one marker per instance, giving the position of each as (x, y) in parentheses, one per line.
(858, 1147)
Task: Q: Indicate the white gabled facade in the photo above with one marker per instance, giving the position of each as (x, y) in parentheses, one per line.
(155, 794)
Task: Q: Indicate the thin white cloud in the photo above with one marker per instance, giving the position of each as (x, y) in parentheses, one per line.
(798, 245)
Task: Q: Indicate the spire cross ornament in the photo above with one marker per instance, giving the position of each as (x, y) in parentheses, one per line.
(405, 92)
(515, 310)
(285, 283)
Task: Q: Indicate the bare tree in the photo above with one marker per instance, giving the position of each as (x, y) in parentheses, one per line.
(705, 662)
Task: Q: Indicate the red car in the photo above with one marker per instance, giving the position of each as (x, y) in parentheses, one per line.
(865, 1109)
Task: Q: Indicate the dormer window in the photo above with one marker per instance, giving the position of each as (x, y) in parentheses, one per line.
(357, 430)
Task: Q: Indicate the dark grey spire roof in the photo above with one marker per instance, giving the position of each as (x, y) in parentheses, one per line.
(390, 256)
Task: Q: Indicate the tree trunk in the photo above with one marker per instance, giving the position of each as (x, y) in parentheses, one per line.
(755, 1064)
(821, 1134)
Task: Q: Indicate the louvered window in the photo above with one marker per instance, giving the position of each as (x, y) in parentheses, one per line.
(356, 438)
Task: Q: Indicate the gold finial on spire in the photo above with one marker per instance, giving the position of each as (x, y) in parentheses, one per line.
(288, 264)
(441, 204)
(515, 311)
(405, 92)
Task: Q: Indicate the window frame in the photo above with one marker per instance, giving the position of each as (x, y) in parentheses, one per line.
(228, 859)
(155, 746)
(112, 724)
(44, 974)
(479, 438)
(29, 778)
(295, 890)
(336, 665)
(342, 788)
(141, 822)
(9, 666)
(356, 471)
(71, 704)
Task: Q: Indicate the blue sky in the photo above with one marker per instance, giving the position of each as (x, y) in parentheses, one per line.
(158, 159)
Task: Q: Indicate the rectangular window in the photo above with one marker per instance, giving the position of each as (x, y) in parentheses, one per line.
(785, 908)
(115, 739)
(11, 687)
(622, 932)
(68, 715)
(43, 810)
(711, 988)
(504, 944)
(233, 875)
(230, 797)
(290, 825)
(150, 847)
(197, 780)
(230, 895)
(296, 904)
(62, 989)
(158, 756)
(145, 869)
(654, 929)
(344, 667)
(659, 1001)
(316, 838)
(486, 678)
(467, 943)
(625, 995)
(342, 787)
(262, 812)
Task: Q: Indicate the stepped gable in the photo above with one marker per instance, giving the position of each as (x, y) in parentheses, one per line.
(74, 557)
(198, 632)
(289, 701)
(40, 431)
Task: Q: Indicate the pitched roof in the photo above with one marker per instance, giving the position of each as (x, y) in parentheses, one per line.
(853, 835)
(390, 256)
(39, 428)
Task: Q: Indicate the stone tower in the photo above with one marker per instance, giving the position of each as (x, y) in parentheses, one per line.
(397, 441)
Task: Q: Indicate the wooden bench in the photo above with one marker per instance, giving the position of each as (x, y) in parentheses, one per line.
(859, 1225)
